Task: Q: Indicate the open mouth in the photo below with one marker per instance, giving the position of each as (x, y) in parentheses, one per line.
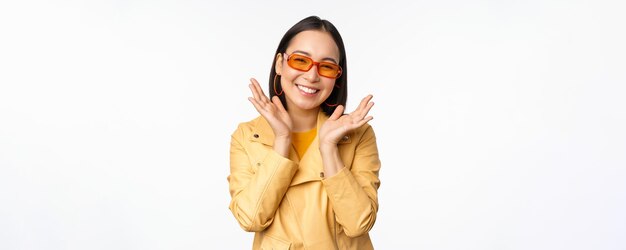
(307, 90)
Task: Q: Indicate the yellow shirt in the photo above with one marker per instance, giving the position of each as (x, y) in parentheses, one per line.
(302, 140)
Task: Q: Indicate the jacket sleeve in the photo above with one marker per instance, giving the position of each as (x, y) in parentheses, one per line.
(256, 191)
(353, 192)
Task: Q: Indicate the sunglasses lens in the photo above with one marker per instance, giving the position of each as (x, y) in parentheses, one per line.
(300, 62)
(329, 70)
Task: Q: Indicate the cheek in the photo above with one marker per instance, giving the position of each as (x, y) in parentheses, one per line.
(290, 75)
(286, 79)
(330, 84)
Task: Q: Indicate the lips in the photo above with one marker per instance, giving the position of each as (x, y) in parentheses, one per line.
(307, 89)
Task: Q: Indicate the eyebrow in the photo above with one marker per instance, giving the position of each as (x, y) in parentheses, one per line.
(308, 54)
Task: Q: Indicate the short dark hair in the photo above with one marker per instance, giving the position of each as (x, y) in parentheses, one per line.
(339, 96)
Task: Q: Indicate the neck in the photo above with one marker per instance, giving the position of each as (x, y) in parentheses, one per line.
(303, 120)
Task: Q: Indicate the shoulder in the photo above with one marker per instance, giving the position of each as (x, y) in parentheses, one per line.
(245, 128)
(360, 136)
(365, 132)
(251, 123)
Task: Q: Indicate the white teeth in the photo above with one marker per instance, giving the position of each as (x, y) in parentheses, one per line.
(307, 90)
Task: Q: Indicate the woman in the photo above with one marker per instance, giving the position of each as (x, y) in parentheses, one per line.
(304, 175)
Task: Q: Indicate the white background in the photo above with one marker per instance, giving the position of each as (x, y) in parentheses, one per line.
(500, 124)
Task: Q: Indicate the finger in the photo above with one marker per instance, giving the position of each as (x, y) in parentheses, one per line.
(360, 112)
(259, 90)
(256, 105)
(255, 98)
(337, 113)
(255, 91)
(278, 104)
(361, 123)
(364, 102)
(255, 95)
(367, 119)
(367, 109)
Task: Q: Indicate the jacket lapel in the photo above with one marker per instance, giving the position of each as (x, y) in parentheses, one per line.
(262, 132)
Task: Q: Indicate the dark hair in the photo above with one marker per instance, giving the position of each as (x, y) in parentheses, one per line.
(339, 96)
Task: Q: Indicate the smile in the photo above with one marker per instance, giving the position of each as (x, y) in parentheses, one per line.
(307, 89)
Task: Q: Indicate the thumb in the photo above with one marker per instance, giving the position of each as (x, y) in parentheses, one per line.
(337, 113)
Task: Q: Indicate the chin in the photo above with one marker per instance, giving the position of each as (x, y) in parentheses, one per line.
(307, 103)
(308, 106)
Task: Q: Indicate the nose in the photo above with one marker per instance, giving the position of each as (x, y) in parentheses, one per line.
(311, 75)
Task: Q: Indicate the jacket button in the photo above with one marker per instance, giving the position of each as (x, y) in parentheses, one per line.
(256, 135)
(258, 164)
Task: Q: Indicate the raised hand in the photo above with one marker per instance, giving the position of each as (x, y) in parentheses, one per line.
(273, 110)
(338, 124)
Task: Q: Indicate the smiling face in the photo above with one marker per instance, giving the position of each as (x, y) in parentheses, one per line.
(306, 91)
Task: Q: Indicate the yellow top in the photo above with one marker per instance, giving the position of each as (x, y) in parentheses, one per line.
(302, 140)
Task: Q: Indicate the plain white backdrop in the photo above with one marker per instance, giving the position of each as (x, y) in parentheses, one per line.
(500, 124)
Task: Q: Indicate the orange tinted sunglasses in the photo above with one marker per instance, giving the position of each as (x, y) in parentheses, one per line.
(305, 63)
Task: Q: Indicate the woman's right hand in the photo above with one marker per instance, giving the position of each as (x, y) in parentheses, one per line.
(273, 111)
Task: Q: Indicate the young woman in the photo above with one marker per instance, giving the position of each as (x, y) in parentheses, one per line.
(304, 175)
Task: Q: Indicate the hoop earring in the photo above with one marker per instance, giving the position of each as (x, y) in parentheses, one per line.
(281, 90)
(331, 105)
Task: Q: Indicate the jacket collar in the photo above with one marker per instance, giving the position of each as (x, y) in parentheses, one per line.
(262, 131)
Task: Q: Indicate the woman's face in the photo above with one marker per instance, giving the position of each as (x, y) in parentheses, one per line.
(307, 90)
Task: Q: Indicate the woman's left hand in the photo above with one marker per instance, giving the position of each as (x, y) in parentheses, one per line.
(339, 124)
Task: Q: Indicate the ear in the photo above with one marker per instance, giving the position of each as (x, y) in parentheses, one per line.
(279, 64)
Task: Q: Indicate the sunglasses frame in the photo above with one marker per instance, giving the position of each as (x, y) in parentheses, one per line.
(313, 62)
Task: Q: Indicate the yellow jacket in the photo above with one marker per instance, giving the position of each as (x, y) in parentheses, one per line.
(287, 202)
